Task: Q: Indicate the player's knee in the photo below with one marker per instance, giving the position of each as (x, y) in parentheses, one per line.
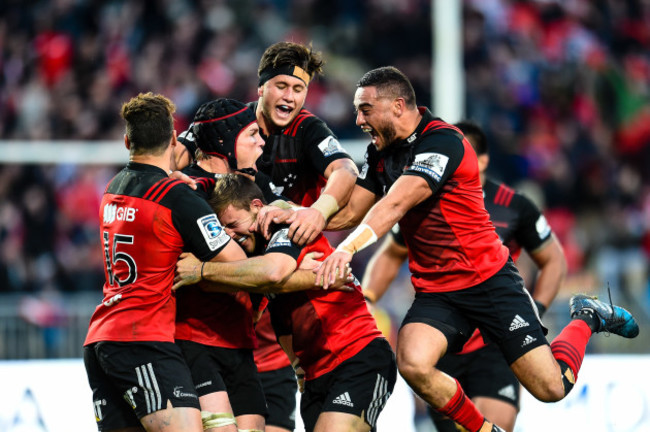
(412, 369)
(216, 420)
(557, 387)
(550, 390)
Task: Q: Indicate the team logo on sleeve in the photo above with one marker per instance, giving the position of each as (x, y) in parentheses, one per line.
(279, 239)
(212, 231)
(431, 164)
(330, 146)
(542, 227)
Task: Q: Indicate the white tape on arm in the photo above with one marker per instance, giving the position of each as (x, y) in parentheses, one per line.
(359, 239)
(327, 205)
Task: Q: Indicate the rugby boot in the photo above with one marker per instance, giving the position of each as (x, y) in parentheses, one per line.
(607, 317)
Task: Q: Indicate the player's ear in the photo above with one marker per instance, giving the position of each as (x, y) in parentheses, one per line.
(260, 91)
(398, 106)
(127, 144)
(257, 203)
(483, 162)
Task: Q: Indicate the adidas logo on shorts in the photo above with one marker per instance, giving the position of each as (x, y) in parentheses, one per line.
(343, 399)
(518, 323)
(508, 392)
(528, 340)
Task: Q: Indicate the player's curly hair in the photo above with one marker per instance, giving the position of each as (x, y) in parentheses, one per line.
(390, 83)
(291, 54)
(149, 123)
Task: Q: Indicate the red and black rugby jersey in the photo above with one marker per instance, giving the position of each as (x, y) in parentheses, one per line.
(327, 327)
(146, 220)
(297, 157)
(452, 243)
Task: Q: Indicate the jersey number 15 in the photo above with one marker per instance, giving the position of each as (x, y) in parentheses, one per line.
(112, 256)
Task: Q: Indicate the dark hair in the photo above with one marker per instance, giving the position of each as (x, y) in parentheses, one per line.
(475, 135)
(149, 123)
(236, 190)
(216, 126)
(284, 54)
(390, 83)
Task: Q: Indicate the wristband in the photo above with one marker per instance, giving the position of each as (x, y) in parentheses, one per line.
(202, 264)
(359, 239)
(541, 309)
(327, 205)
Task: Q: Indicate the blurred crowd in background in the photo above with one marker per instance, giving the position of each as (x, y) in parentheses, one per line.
(561, 88)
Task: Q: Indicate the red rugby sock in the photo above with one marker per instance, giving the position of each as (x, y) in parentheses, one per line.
(570, 345)
(463, 411)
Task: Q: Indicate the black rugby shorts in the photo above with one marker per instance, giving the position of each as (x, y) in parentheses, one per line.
(280, 388)
(226, 369)
(130, 380)
(500, 307)
(360, 385)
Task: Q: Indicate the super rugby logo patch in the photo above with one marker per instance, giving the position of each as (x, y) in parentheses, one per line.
(212, 231)
(431, 164)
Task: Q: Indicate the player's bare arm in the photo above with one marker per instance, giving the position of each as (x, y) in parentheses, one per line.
(189, 268)
(382, 268)
(361, 200)
(406, 193)
(552, 265)
(270, 273)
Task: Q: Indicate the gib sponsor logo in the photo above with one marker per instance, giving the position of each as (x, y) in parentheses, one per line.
(113, 212)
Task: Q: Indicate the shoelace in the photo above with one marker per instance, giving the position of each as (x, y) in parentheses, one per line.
(611, 306)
